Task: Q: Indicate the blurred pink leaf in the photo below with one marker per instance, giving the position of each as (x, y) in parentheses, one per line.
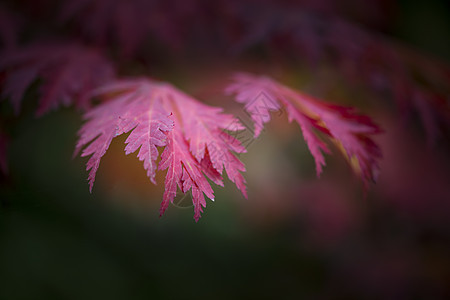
(349, 131)
(68, 72)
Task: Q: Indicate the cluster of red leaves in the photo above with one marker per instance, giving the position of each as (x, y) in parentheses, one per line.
(158, 115)
(68, 72)
(350, 132)
(196, 147)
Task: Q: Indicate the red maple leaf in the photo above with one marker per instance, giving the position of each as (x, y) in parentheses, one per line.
(349, 131)
(68, 71)
(159, 115)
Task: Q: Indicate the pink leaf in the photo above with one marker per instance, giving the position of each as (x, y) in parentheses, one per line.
(68, 71)
(203, 127)
(135, 106)
(349, 131)
(185, 172)
(196, 148)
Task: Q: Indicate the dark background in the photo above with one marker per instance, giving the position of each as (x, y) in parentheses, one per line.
(296, 237)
